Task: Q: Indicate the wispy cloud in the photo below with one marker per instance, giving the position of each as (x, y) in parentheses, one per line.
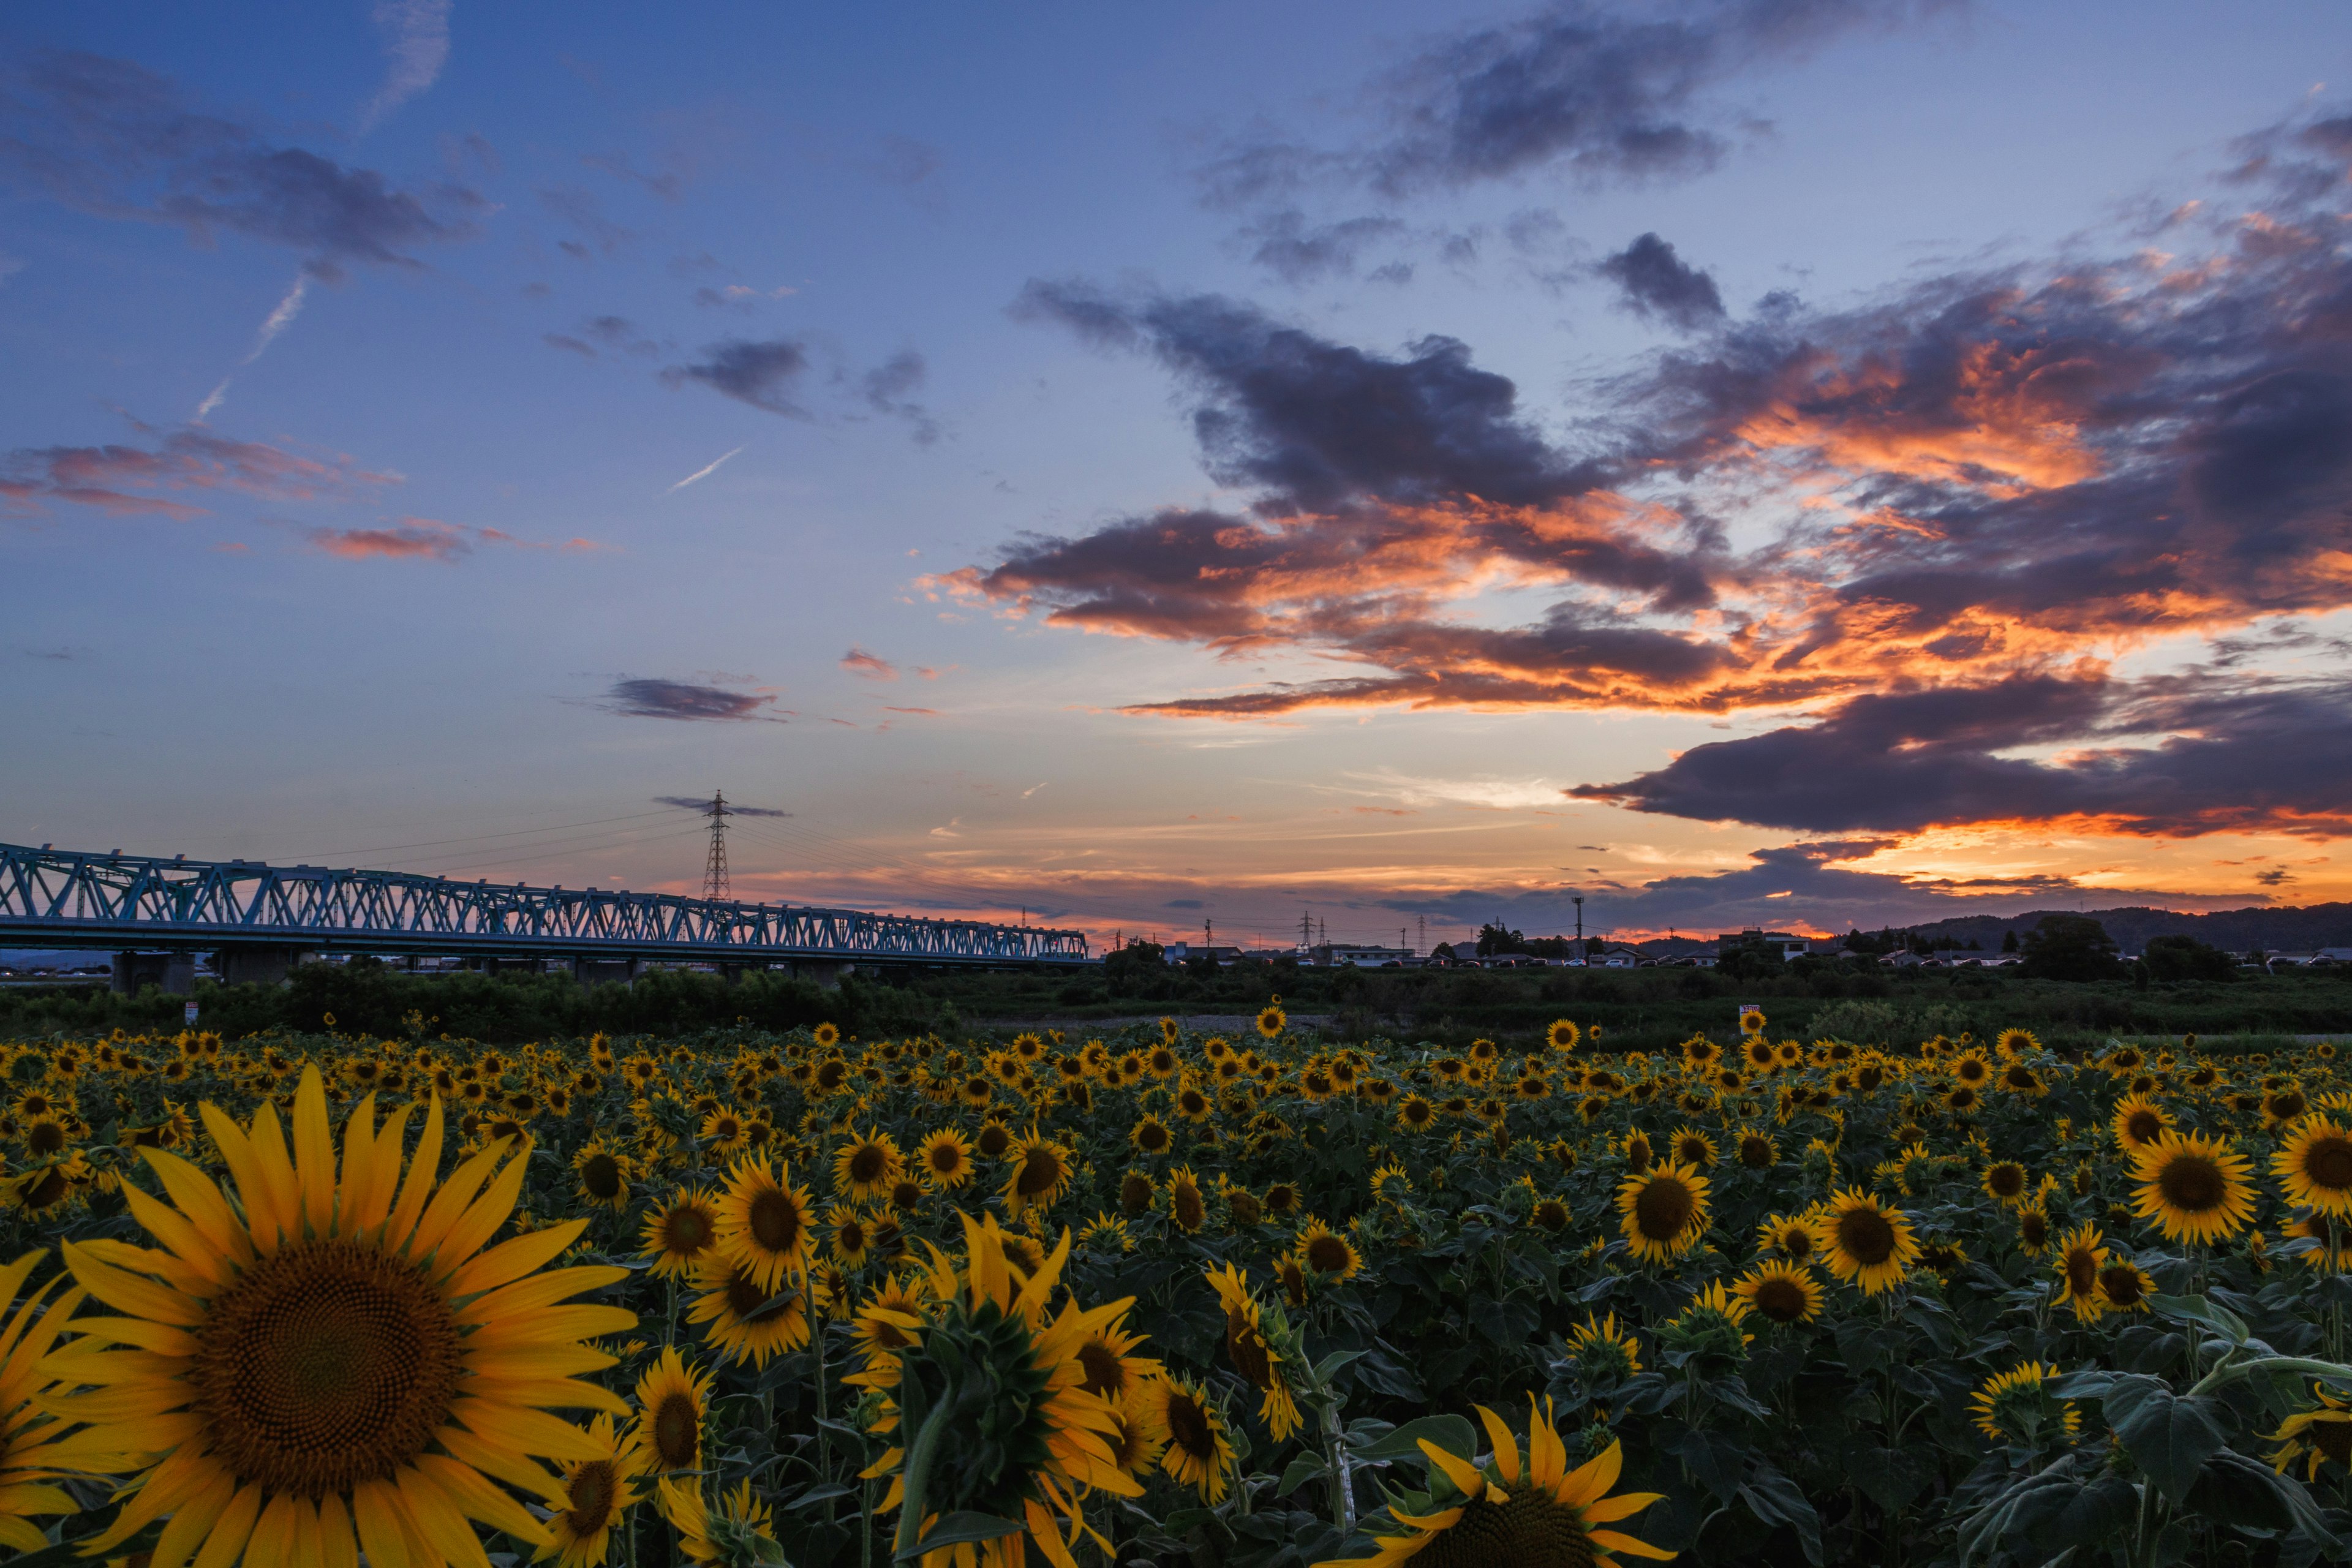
(701, 473)
(278, 322)
(415, 46)
(428, 538)
(113, 477)
(857, 661)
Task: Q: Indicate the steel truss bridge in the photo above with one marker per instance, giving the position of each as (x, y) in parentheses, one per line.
(268, 915)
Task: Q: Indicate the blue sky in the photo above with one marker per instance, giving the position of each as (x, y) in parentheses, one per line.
(363, 355)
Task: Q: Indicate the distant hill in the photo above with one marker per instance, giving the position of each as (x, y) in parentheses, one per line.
(2292, 929)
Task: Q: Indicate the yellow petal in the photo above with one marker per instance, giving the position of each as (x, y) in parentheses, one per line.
(1611, 1541)
(281, 1192)
(376, 1513)
(130, 1292)
(172, 1228)
(188, 1528)
(194, 1194)
(481, 1221)
(314, 1152)
(1624, 1505)
(1594, 1478)
(511, 1260)
(1506, 1448)
(419, 1186)
(337, 1548)
(1460, 1472)
(272, 1539)
(436, 1517)
(477, 1499)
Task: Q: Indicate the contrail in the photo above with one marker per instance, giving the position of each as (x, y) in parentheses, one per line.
(279, 320)
(698, 474)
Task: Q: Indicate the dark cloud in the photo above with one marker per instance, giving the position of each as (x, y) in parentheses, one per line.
(760, 374)
(108, 137)
(1317, 424)
(584, 212)
(642, 697)
(1601, 94)
(1656, 283)
(1185, 904)
(1287, 245)
(114, 478)
(2232, 756)
(890, 388)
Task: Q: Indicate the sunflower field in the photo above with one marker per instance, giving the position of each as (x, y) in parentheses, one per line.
(1156, 1298)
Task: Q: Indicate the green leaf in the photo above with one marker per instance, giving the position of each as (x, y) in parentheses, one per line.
(68, 1554)
(1304, 1469)
(1887, 1476)
(1328, 1367)
(1452, 1432)
(2099, 1513)
(2200, 1309)
(2236, 1490)
(2168, 1435)
(1774, 1498)
(955, 1529)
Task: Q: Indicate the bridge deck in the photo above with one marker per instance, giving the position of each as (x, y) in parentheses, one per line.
(56, 898)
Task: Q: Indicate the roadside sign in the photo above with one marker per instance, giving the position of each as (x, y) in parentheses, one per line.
(189, 1013)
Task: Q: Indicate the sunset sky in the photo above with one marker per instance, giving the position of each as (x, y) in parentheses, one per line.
(1798, 462)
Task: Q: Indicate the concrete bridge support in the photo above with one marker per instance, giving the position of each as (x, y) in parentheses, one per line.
(255, 966)
(175, 972)
(824, 971)
(604, 971)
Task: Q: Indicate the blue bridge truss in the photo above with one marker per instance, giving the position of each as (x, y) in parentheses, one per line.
(53, 898)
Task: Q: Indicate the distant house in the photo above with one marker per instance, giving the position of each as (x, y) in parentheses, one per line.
(1185, 951)
(1340, 954)
(1788, 945)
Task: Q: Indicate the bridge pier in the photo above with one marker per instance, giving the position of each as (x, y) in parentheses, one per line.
(824, 971)
(175, 972)
(257, 965)
(604, 971)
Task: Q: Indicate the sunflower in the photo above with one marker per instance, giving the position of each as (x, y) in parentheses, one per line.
(1322, 1251)
(1196, 1452)
(595, 1493)
(1790, 1235)
(1639, 1155)
(2323, 1436)
(763, 1224)
(2195, 1188)
(1563, 1035)
(1040, 1175)
(1756, 1150)
(1864, 1241)
(298, 1354)
(1549, 1515)
(2033, 1232)
(2081, 1253)
(2006, 1183)
(991, 1409)
(672, 1402)
(31, 1453)
(1414, 1113)
(1601, 1352)
(2316, 1167)
(1781, 1293)
(2009, 1042)
(865, 1167)
(739, 1514)
(1271, 1022)
(2125, 1287)
(2138, 1121)
(2016, 1406)
(681, 1231)
(1690, 1147)
(1253, 1354)
(1971, 1069)
(1151, 1136)
(603, 1175)
(945, 1159)
(1664, 1212)
(1135, 1448)
(748, 1319)
(853, 1234)
(1186, 1207)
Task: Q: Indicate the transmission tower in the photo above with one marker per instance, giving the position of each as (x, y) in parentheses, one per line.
(714, 871)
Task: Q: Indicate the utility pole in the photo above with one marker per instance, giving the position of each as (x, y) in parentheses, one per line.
(714, 871)
(1423, 922)
(1208, 931)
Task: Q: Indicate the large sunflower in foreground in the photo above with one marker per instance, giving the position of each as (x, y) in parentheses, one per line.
(992, 1411)
(2194, 1187)
(1541, 1515)
(1664, 1210)
(325, 1368)
(31, 1454)
(1865, 1241)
